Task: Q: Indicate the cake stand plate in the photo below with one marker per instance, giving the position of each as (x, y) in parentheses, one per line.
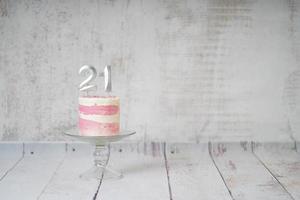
(101, 154)
(98, 140)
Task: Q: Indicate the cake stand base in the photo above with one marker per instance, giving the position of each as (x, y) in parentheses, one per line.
(101, 170)
(100, 173)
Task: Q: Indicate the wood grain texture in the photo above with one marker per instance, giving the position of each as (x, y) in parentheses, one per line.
(283, 162)
(144, 172)
(193, 174)
(10, 155)
(154, 171)
(66, 183)
(28, 179)
(244, 174)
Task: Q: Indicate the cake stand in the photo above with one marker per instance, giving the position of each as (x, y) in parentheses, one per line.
(101, 153)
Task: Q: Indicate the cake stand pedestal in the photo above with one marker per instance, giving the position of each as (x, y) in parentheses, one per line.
(101, 154)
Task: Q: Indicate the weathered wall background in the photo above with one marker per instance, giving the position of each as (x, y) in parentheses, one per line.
(185, 70)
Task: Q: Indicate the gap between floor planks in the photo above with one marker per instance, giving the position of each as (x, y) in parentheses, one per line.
(283, 163)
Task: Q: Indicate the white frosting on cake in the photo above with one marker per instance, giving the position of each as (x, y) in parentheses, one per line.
(99, 101)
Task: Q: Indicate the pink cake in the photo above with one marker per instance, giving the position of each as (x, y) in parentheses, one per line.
(99, 115)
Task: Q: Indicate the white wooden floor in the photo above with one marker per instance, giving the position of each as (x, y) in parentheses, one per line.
(217, 171)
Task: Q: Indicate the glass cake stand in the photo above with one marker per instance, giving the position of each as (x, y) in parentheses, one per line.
(101, 153)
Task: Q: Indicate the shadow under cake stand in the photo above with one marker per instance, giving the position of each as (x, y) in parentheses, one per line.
(100, 154)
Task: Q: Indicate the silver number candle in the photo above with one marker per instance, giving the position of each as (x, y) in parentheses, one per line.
(84, 85)
(107, 79)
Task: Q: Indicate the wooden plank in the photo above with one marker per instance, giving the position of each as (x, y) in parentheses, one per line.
(66, 183)
(10, 155)
(192, 173)
(244, 175)
(144, 172)
(283, 162)
(30, 176)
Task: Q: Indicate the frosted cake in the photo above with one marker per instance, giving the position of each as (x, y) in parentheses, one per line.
(99, 115)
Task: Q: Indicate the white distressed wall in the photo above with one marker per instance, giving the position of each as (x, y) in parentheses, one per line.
(185, 70)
